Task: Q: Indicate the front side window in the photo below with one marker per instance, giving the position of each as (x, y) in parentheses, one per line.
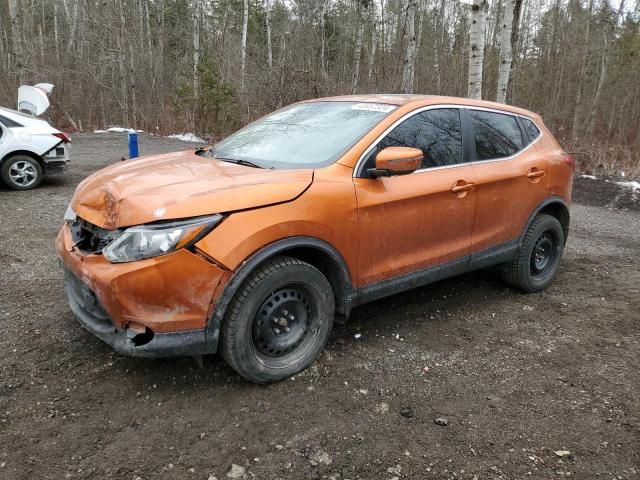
(497, 135)
(436, 132)
(306, 135)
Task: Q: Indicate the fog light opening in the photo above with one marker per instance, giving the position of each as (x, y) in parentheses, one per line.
(138, 334)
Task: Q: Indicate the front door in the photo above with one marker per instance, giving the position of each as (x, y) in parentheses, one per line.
(410, 222)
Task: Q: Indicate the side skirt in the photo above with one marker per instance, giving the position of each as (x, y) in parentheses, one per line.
(495, 255)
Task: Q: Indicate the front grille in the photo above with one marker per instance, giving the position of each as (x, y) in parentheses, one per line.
(90, 238)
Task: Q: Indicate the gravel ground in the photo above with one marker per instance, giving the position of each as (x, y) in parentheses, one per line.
(517, 377)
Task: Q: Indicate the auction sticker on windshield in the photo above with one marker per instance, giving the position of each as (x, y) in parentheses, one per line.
(373, 107)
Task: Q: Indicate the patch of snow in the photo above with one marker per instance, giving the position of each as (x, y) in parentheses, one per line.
(635, 186)
(592, 177)
(187, 137)
(119, 130)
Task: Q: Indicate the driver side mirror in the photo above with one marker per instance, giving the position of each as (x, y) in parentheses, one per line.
(396, 161)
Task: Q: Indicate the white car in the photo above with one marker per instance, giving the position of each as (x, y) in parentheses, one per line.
(29, 146)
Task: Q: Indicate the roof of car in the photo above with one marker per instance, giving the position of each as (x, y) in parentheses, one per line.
(423, 100)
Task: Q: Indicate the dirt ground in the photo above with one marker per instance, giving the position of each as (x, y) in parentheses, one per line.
(516, 376)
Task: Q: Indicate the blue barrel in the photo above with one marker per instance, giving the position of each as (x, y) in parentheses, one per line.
(133, 144)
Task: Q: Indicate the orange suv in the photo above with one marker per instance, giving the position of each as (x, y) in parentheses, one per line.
(253, 247)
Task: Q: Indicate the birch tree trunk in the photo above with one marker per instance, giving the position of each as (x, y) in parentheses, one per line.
(422, 8)
(196, 45)
(577, 109)
(505, 51)
(243, 65)
(476, 48)
(598, 94)
(439, 33)
(267, 8)
(134, 98)
(122, 56)
(73, 27)
(374, 43)
(358, 50)
(148, 26)
(409, 65)
(323, 60)
(55, 30)
(515, 34)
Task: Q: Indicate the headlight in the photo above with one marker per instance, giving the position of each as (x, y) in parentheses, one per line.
(146, 241)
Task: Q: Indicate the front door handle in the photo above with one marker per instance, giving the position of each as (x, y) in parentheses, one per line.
(460, 187)
(535, 173)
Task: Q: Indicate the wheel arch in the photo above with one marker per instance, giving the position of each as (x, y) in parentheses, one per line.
(314, 251)
(556, 207)
(26, 153)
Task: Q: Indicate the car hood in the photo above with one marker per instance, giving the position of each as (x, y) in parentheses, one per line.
(180, 185)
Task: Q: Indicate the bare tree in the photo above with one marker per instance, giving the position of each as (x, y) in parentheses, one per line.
(374, 39)
(195, 12)
(409, 65)
(16, 37)
(243, 64)
(267, 7)
(505, 51)
(515, 30)
(601, 80)
(323, 60)
(476, 48)
(577, 106)
(357, 52)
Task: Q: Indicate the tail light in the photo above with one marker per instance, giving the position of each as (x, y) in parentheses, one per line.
(63, 136)
(570, 161)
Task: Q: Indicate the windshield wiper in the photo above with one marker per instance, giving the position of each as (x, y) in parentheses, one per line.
(245, 163)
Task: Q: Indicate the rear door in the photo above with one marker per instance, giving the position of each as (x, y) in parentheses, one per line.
(511, 173)
(410, 222)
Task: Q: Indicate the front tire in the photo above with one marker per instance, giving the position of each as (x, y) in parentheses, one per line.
(536, 262)
(279, 321)
(21, 172)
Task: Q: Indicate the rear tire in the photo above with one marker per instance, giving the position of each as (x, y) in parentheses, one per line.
(536, 262)
(21, 172)
(279, 321)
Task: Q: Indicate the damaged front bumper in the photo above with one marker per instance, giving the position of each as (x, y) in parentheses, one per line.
(151, 308)
(139, 343)
(56, 160)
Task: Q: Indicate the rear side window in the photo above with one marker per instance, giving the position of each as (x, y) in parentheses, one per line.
(530, 128)
(497, 135)
(436, 132)
(8, 122)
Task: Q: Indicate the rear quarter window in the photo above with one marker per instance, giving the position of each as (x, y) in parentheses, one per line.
(7, 122)
(496, 135)
(532, 131)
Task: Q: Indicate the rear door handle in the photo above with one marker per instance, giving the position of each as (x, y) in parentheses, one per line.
(535, 173)
(457, 188)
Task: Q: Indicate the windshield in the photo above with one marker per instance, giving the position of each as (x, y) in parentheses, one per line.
(306, 135)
